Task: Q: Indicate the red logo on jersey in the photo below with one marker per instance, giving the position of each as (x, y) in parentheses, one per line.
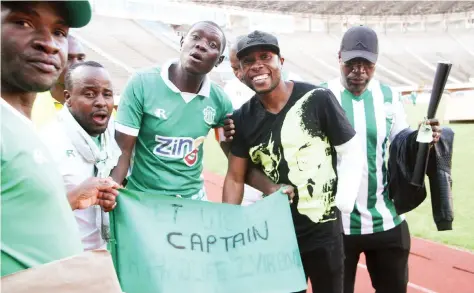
(191, 158)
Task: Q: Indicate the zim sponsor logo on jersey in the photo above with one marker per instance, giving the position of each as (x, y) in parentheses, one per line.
(186, 148)
(209, 115)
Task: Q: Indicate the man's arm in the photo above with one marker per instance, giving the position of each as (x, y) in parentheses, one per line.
(350, 158)
(253, 177)
(126, 143)
(233, 192)
(127, 125)
(350, 163)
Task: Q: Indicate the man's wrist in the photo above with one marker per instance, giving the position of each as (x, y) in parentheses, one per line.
(273, 188)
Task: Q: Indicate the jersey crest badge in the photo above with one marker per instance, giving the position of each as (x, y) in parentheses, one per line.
(209, 115)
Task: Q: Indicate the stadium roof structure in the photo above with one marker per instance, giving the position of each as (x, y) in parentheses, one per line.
(391, 8)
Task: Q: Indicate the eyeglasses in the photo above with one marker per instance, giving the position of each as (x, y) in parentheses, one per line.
(366, 65)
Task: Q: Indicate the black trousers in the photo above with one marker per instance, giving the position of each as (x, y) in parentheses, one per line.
(324, 266)
(386, 255)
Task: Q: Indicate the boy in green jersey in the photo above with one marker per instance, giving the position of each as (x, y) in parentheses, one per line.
(165, 115)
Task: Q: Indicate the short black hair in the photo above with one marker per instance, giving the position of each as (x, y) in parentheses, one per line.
(211, 23)
(68, 78)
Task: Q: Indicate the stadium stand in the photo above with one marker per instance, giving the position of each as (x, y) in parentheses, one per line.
(413, 36)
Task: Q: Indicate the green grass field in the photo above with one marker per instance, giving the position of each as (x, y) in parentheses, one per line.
(421, 219)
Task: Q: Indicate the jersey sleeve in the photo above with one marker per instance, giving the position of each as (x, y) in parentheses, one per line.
(130, 109)
(226, 108)
(400, 118)
(333, 119)
(239, 148)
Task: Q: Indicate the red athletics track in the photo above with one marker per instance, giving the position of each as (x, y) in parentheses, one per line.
(433, 268)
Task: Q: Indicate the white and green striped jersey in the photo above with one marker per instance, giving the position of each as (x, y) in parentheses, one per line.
(377, 116)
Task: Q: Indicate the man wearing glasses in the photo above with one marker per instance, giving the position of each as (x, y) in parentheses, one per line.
(376, 113)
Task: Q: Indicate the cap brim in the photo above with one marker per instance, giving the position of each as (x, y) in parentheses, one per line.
(349, 55)
(246, 50)
(78, 13)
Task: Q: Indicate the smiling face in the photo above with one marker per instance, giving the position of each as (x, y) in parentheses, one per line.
(261, 70)
(91, 98)
(202, 48)
(34, 45)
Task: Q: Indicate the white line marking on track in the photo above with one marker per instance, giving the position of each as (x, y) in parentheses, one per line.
(414, 286)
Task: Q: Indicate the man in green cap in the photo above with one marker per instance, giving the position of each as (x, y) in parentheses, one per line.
(37, 223)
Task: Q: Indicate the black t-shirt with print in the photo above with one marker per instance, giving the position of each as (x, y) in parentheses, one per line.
(296, 146)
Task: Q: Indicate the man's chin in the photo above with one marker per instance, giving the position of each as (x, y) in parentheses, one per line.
(38, 86)
(97, 130)
(263, 91)
(194, 70)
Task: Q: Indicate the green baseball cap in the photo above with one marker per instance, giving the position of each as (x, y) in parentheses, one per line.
(78, 13)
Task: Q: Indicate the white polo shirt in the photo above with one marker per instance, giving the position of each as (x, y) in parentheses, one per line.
(75, 170)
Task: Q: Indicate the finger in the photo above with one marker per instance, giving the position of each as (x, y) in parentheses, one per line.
(290, 193)
(108, 182)
(229, 133)
(229, 127)
(229, 115)
(436, 137)
(107, 205)
(109, 209)
(110, 190)
(107, 196)
(433, 122)
(436, 129)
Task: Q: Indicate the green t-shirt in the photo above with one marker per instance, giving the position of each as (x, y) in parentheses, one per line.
(170, 127)
(37, 223)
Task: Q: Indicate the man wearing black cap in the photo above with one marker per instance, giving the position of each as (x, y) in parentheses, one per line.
(37, 222)
(298, 134)
(376, 113)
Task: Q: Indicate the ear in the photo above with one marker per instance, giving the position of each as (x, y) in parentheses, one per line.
(220, 60)
(282, 61)
(67, 97)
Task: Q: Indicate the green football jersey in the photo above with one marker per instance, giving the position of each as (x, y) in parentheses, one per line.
(171, 127)
(378, 116)
(38, 225)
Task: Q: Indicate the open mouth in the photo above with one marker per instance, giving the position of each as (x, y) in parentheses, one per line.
(100, 118)
(196, 56)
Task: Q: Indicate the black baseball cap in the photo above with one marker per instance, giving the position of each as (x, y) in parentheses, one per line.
(360, 42)
(257, 39)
